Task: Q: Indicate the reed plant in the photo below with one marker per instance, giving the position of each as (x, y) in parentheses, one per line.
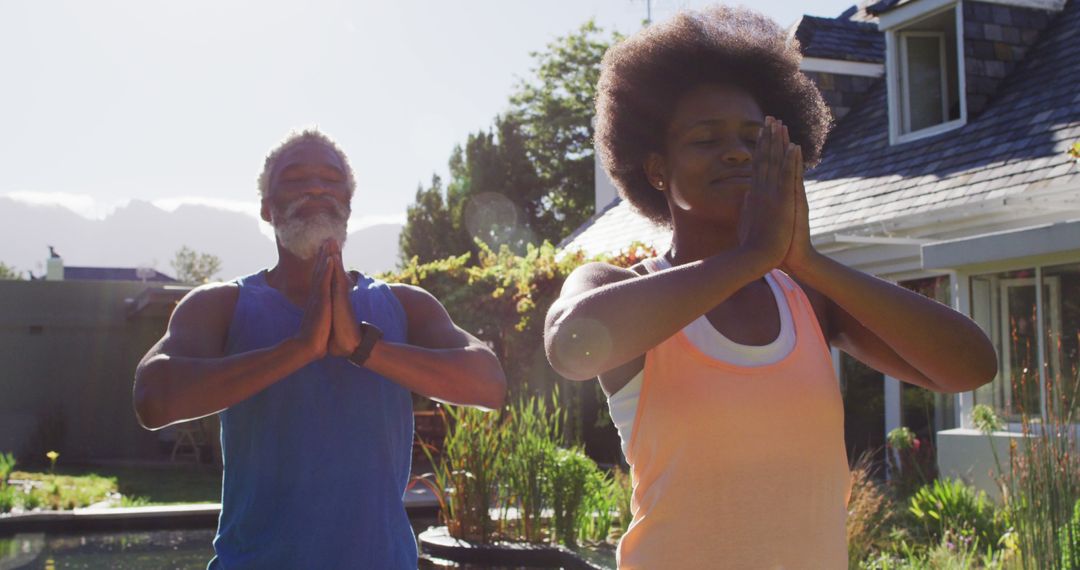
(465, 478)
(533, 433)
(1043, 488)
(1041, 483)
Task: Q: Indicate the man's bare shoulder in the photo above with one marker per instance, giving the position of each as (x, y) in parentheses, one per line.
(208, 303)
(210, 296)
(413, 297)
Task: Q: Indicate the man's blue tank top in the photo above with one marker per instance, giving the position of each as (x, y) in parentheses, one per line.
(316, 464)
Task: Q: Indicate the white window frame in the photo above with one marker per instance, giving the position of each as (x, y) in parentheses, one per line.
(1054, 284)
(963, 302)
(905, 86)
(895, 60)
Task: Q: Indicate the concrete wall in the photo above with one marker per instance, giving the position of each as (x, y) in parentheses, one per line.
(968, 454)
(67, 361)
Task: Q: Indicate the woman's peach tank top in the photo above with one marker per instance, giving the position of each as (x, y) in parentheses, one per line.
(739, 467)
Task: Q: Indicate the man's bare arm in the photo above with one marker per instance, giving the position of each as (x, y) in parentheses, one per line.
(186, 375)
(441, 361)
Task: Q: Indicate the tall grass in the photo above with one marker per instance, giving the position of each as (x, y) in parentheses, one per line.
(1043, 487)
(870, 512)
(1042, 484)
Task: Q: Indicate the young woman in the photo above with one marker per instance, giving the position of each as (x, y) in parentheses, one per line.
(715, 356)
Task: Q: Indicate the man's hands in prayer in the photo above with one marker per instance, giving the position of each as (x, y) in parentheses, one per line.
(329, 325)
(345, 332)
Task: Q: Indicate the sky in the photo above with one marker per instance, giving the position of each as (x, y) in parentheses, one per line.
(178, 102)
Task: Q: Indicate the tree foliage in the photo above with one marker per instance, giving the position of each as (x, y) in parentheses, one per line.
(195, 267)
(529, 177)
(556, 113)
(9, 273)
(502, 298)
(429, 231)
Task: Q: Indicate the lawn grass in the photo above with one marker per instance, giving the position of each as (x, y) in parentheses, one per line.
(139, 485)
(170, 485)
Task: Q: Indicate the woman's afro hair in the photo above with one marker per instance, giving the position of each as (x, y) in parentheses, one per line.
(644, 76)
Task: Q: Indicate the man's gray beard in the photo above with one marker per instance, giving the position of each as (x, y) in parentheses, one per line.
(303, 236)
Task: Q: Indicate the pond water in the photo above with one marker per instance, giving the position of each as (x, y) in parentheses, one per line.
(151, 550)
(162, 549)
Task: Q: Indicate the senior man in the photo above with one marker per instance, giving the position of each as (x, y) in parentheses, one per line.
(310, 368)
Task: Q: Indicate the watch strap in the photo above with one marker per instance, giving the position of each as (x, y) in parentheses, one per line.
(369, 336)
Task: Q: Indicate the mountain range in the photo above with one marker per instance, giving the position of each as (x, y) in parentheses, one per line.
(142, 234)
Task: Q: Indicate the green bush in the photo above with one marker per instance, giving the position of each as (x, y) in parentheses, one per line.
(910, 461)
(572, 472)
(7, 465)
(952, 508)
(126, 501)
(7, 498)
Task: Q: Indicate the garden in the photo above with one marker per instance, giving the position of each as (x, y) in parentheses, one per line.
(504, 479)
(49, 485)
(542, 480)
(530, 474)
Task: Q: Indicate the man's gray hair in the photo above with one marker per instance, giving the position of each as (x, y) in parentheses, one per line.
(312, 134)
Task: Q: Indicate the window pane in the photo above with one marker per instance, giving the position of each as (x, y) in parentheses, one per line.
(924, 88)
(864, 408)
(923, 411)
(1061, 319)
(1004, 305)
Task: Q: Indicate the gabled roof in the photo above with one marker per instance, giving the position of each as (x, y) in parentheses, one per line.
(837, 38)
(1016, 145)
(113, 274)
(614, 228)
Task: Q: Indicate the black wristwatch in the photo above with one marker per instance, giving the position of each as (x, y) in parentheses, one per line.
(369, 335)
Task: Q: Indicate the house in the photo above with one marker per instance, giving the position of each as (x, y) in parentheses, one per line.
(71, 342)
(947, 172)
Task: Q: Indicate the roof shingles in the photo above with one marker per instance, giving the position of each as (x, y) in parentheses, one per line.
(1016, 144)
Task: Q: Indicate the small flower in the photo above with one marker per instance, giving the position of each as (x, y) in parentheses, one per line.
(52, 455)
(1074, 152)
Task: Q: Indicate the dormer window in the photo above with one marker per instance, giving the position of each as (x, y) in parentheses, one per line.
(925, 72)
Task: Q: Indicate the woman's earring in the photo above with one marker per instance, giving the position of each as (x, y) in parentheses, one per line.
(660, 184)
